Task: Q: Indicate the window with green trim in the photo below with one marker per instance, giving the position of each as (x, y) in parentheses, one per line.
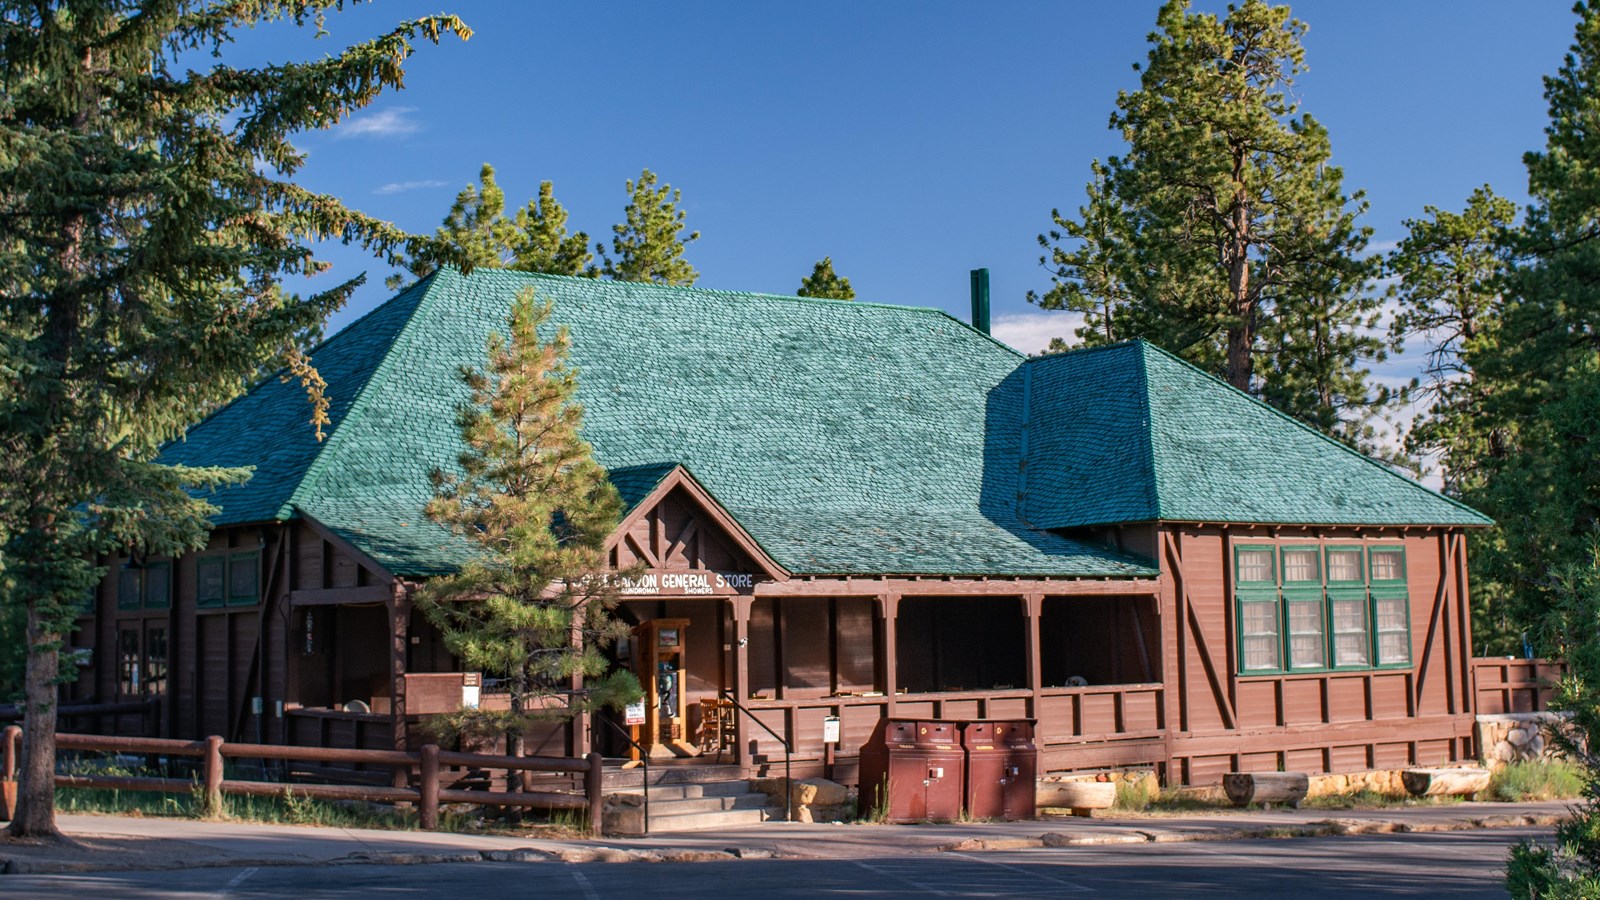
(158, 585)
(128, 586)
(1344, 566)
(1388, 564)
(243, 579)
(1303, 610)
(1254, 566)
(1391, 606)
(211, 581)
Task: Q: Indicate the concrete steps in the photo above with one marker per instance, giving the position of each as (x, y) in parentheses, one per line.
(687, 807)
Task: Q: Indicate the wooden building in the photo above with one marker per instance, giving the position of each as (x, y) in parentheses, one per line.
(849, 510)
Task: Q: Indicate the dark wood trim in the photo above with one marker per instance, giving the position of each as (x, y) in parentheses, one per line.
(910, 586)
(1439, 598)
(371, 593)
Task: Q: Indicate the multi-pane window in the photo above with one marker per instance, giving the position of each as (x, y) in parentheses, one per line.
(226, 580)
(146, 587)
(144, 594)
(1313, 607)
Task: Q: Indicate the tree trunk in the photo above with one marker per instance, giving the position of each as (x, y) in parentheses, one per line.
(1242, 328)
(36, 788)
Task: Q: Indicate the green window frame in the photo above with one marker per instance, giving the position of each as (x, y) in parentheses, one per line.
(158, 585)
(244, 579)
(1304, 612)
(211, 581)
(1391, 607)
(1259, 609)
(129, 587)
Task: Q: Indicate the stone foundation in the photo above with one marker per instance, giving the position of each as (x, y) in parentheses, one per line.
(1514, 737)
(1381, 781)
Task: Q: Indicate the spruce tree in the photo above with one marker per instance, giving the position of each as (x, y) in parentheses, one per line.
(534, 605)
(1223, 233)
(146, 220)
(476, 233)
(648, 245)
(825, 283)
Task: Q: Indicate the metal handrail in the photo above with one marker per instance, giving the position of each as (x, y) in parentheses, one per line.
(644, 760)
(788, 750)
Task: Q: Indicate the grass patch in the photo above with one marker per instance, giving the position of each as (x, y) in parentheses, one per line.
(1536, 780)
(1136, 796)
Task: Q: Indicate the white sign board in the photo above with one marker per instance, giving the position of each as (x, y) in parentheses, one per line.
(830, 730)
(634, 714)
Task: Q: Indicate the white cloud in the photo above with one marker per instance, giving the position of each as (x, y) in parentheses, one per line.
(1030, 332)
(1381, 246)
(384, 123)
(400, 187)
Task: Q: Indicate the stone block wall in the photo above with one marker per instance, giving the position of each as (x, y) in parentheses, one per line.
(1514, 737)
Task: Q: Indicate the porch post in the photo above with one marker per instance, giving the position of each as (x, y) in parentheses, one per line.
(578, 725)
(888, 604)
(740, 689)
(1033, 610)
(399, 638)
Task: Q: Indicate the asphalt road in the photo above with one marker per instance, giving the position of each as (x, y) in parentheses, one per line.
(1455, 864)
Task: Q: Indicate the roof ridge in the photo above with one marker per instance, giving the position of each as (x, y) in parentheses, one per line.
(313, 472)
(1153, 483)
(721, 292)
(1387, 470)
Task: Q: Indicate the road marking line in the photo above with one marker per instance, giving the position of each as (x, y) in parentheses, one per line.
(583, 882)
(237, 880)
(892, 874)
(1071, 885)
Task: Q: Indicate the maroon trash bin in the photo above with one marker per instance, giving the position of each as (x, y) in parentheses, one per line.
(1002, 766)
(912, 770)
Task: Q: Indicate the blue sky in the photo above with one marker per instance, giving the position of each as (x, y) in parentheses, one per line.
(909, 141)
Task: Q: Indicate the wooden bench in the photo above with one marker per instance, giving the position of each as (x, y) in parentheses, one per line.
(1266, 788)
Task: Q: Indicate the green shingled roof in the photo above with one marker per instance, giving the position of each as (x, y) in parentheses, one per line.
(846, 438)
(1130, 433)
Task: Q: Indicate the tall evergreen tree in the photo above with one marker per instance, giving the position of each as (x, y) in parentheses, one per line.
(1223, 233)
(146, 218)
(648, 245)
(1450, 269)
(534, 607)
(476, 233)
(825, 283)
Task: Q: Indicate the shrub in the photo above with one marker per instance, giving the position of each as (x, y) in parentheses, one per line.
(1536, 780)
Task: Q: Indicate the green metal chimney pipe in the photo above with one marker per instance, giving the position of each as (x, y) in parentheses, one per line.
(980, 300)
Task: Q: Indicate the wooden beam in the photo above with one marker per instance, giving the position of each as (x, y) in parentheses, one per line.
(888, 607)
(1219, 690)
(850, 586)
(1433, 629)
(1033, 611)
(372, 593)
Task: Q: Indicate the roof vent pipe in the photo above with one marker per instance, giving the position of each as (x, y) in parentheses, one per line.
(980, 300)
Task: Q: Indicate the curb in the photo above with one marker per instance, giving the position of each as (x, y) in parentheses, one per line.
(1320, 828)
(15, 866)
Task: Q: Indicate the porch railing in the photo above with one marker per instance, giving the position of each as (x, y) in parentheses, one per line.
(788, 752)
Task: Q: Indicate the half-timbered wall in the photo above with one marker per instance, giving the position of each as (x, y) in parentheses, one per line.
(1321, 721)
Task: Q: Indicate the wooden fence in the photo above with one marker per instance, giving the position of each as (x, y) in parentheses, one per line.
(426, 763)
(1505, 684)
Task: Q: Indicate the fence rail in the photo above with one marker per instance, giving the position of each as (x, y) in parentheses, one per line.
(426, 763)
(1511, 685)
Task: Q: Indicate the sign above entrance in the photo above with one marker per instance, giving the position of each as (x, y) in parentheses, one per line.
(691, 584)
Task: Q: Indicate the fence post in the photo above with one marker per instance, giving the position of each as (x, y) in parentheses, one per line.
(9, 738)
(213, 776)
(428, 784)
(592, 786)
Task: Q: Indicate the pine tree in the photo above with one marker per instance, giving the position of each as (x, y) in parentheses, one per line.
(534, 606)
(476, 233)
(1223, 233)
(825, 283)
(647, 244)
(1451, 268)
(146, 219)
